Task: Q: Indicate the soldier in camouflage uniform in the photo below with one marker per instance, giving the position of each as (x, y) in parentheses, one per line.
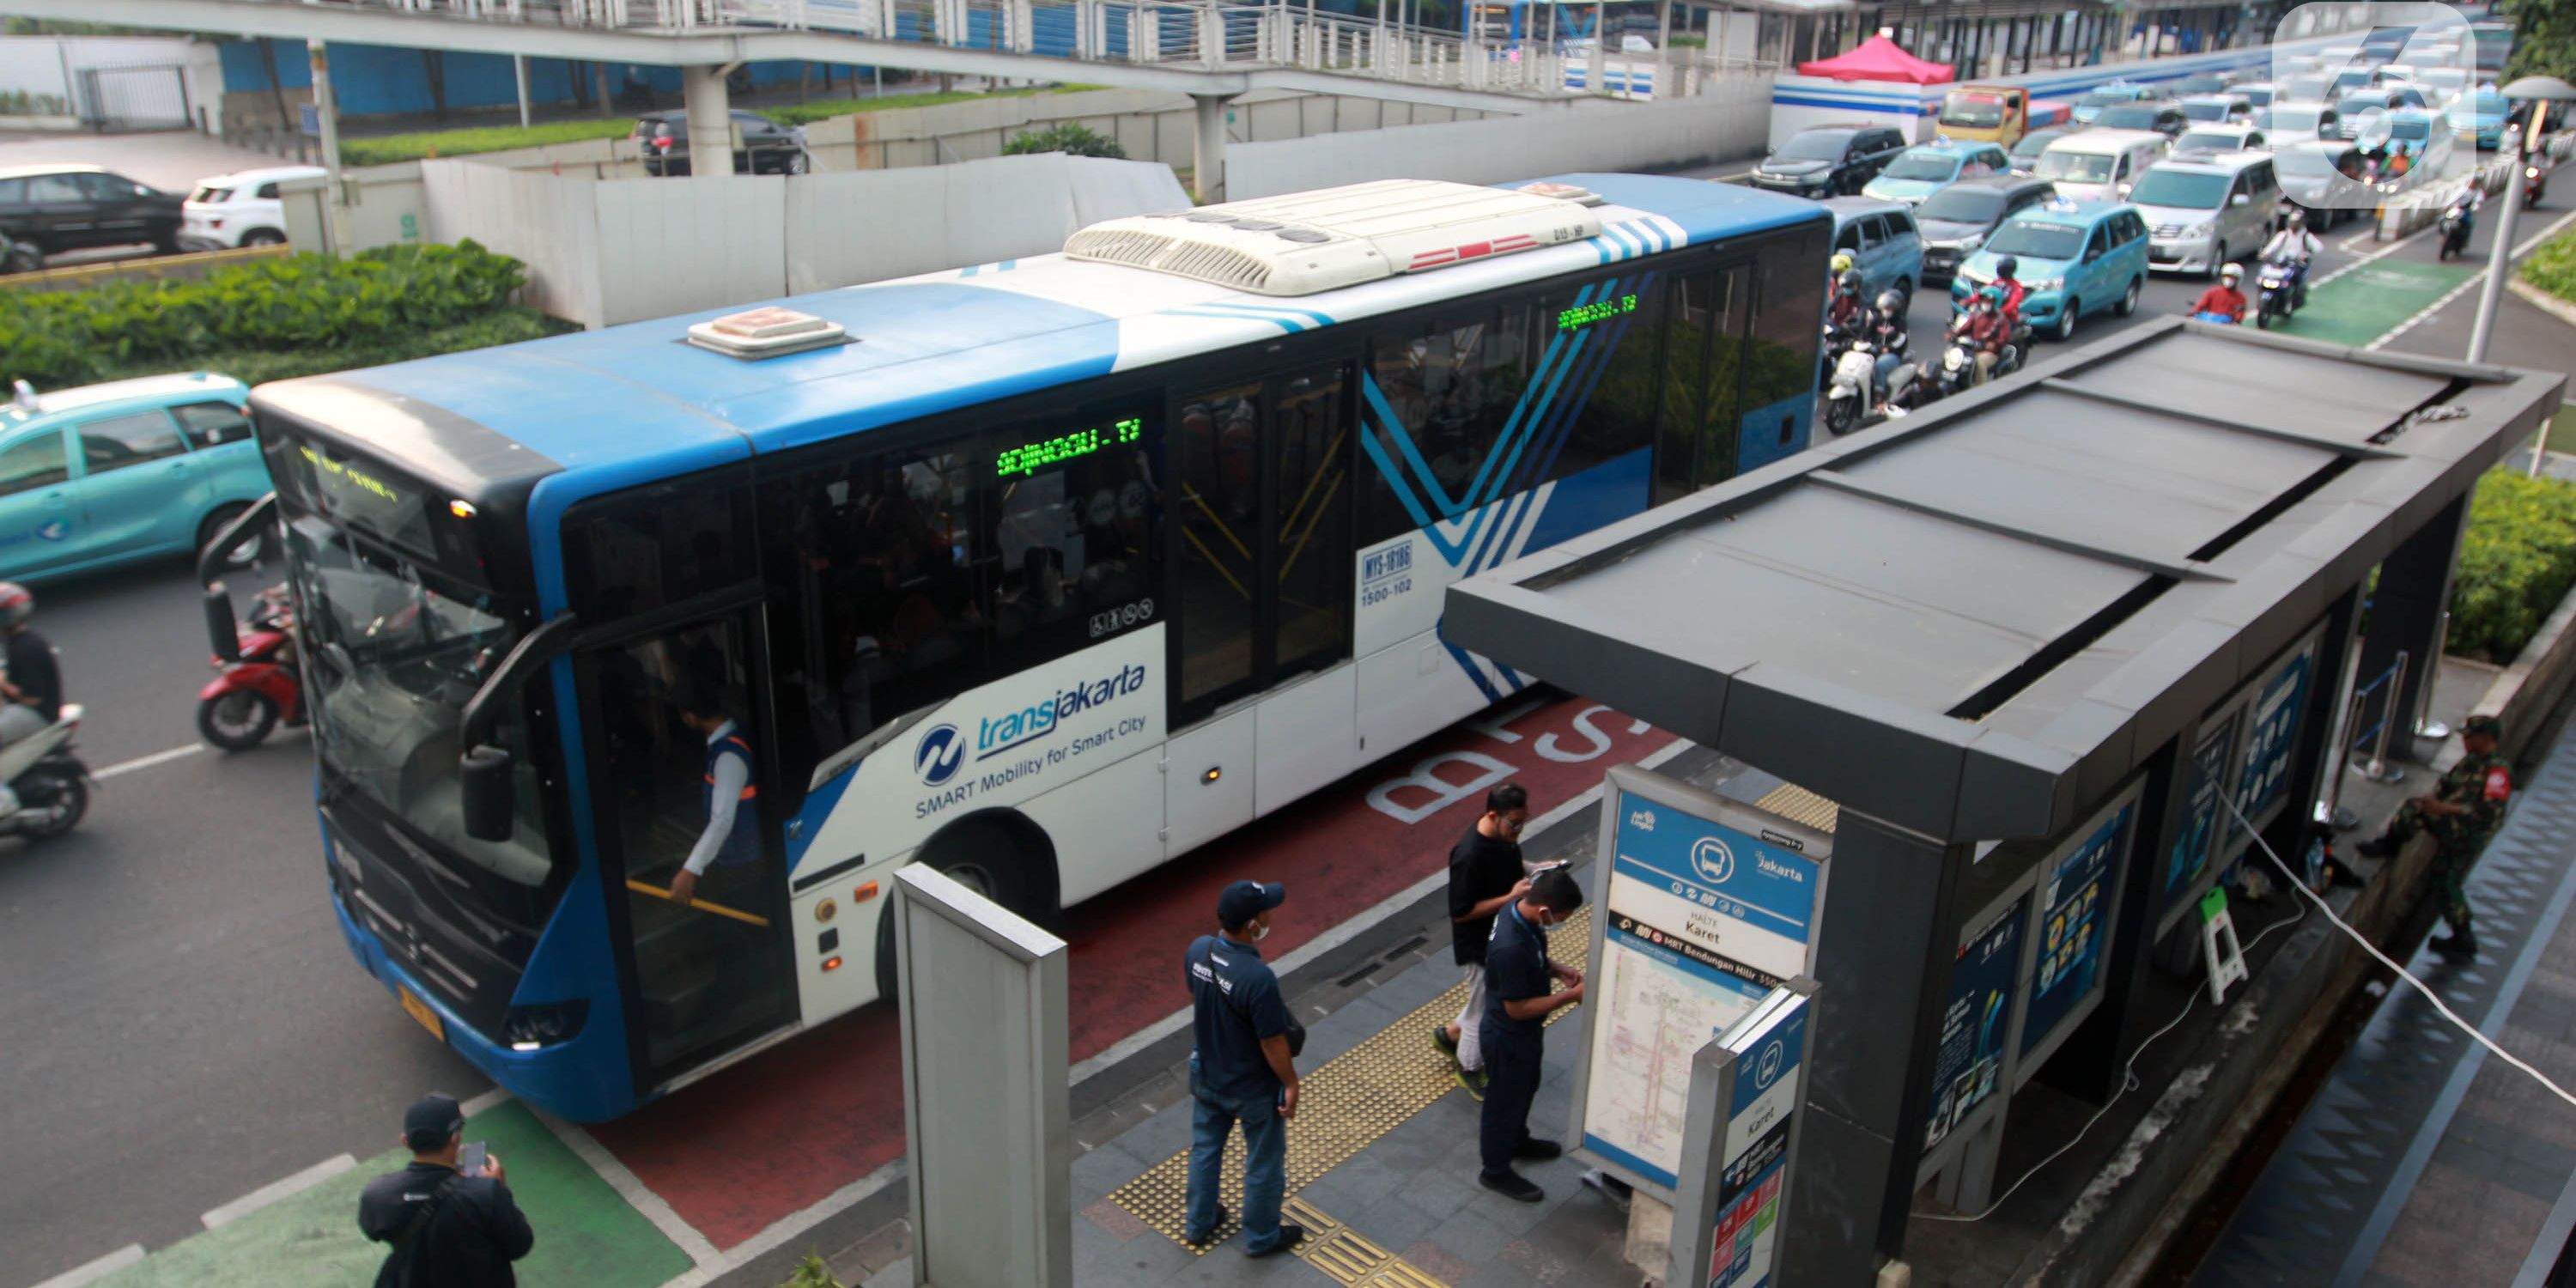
(2460, 815)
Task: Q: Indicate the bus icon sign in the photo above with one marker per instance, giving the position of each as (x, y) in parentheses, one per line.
(941, 752)
(1712, 860)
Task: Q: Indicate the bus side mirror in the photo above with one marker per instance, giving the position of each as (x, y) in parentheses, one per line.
(489, 793)
(220, 630)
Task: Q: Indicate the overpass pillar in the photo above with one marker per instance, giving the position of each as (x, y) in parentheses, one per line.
(326, 113)
(710, 108)
(1207, 154)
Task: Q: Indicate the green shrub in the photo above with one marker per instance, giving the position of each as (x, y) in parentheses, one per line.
(1070, 137)
(2517, 560)
(376, 299)
(2552, 268)
(812, 1273)
(388, 149)
(508, 325)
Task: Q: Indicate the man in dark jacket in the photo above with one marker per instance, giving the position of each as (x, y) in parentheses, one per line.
(448, 1230)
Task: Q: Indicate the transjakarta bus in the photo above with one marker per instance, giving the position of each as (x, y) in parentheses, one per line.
(1039, 572)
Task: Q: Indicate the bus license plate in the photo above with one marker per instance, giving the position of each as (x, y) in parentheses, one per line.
(420, 1011)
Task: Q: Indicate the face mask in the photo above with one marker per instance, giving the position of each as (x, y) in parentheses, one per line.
(1260, 931)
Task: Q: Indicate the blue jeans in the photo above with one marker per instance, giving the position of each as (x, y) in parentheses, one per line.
(1265, 1162)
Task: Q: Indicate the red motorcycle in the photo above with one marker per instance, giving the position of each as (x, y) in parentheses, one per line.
(252, 693)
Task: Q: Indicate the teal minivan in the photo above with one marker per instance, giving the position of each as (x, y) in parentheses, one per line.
(2077, 257)
(134, 469)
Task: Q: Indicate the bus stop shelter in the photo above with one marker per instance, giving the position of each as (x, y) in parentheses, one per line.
(2032, 641)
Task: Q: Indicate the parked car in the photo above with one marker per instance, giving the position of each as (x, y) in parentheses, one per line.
(1926, 168)
(133, 469)
(2099, 165)
(2290, 122)
(2091, 104)
(2484, 119)
(2077, 257)
(2212, 140)
(761, 145)
(1883, 242)
(56, 208)
(1985, 113)
(2163, 118)
(239, 209)
(2204, 212)
(1956, 221)
(2322, 177)
(1828, 159)
(2025, 154)
(2218, 109)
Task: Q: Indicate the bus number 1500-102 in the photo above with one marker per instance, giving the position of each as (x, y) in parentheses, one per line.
(1117, 619)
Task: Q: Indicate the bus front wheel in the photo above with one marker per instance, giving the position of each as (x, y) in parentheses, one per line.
(991, 857)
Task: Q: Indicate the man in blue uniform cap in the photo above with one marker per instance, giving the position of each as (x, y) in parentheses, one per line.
(1242, 1070)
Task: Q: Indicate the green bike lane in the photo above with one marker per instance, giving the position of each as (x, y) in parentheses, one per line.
(2372, 299)
(587, 1233)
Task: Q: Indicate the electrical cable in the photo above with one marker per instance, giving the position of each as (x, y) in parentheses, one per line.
(2391, 963)
(2128, 1083)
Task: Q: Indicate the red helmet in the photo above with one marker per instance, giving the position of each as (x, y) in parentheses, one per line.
(16, 605)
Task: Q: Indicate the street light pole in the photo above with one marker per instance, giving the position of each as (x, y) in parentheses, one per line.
(2500, 258)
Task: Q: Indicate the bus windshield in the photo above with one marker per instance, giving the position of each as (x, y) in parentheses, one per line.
(393, 660)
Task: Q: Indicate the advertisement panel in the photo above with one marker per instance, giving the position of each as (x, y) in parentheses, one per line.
(2076, 894)
(2200, 834)
(1706, 905)
(1968, 1066)
(1761, 1116)
(2272, 737)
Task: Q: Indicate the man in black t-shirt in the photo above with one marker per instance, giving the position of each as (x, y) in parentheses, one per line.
(1485, 876)
(1519, 994)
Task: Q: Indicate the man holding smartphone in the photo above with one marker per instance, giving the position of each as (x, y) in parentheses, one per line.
(448, 1229)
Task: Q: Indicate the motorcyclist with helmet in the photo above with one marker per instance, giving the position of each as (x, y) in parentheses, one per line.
(1886, 334)
(2293, 247)
(2008, 276)
(1847, 313)
(2222, 302)
(1981, 325)
(33, 687)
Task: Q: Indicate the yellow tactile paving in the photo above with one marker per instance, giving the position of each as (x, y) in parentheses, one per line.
(1343, 1106)
(1799, 805)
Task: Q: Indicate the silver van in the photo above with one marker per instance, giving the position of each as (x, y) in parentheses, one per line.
(2205, 211)
(2099, 165)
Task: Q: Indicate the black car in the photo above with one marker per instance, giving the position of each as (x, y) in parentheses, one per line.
(1956, 221)
(765, 146)
(2166, 119)
(1828, 160)
(55, 208)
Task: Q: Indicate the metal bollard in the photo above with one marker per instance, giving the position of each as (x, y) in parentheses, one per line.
(2330, 811)
(2425, 725)
(2379, 770)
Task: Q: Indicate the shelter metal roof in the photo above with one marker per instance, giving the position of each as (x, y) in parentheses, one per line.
(1975, 621)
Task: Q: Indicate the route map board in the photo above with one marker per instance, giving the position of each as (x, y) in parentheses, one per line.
(2078, 886)
(2205, 822)
(1706, 905)
(1968, 1066)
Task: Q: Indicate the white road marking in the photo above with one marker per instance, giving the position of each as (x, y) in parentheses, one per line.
(78, 1276)
(278, 1189)
(2426, 313)
(494, 1098)
(702, 1253)
(147, 762)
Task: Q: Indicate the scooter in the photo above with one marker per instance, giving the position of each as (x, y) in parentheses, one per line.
(48, 787)
(2535, 184)
(2456, 223)
(2276, 293)
(249, 696)
(1847, 390)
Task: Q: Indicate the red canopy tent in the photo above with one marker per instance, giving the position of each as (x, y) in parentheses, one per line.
(1880, 59)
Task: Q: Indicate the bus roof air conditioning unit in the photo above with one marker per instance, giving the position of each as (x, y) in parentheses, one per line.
(1308, 242)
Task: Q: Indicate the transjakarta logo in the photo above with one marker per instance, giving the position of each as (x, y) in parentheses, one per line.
(939, 756)
(1028, 724)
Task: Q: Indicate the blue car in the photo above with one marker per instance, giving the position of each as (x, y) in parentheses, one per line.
(133, 469)
(2486, 117)
(2077, 257)
(1927, 168)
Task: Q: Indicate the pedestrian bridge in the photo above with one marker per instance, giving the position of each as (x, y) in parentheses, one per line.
(1199, 47)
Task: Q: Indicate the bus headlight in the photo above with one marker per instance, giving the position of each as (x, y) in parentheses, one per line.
(527, 1028)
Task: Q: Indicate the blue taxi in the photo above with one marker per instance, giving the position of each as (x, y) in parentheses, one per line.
(2076, 257)
(2484, 117)
(133, 469)
(1927, 168)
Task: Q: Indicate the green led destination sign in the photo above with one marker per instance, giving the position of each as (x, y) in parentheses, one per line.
(1029, 458)
(1584, 315)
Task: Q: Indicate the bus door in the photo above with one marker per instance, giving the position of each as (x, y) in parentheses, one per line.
(662, 711)
(1262, 568)
(1710, 318)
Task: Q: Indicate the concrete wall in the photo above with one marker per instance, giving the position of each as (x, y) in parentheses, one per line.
(46, 68)
(604, 251)
(1727, 121)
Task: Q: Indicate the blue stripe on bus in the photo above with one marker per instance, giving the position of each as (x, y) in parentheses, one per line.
(1265, 310)
(1288, 324)
(1376, 400)
(1467, 662)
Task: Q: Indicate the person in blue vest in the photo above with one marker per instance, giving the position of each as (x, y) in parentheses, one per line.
(1520, 993)
(731, 839)
(1242, 1070)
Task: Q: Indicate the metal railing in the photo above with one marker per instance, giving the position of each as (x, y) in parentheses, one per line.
(1198, 35)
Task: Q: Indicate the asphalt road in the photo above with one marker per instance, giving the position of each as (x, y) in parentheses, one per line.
(185, 1024)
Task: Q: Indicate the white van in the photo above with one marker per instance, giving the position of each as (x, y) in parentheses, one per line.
(2099, 165)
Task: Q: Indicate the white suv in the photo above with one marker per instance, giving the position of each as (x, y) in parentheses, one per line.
(239, 209)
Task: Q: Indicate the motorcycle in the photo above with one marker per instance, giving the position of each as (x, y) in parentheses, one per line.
(2276, 293)
(1847, 390)
(250, 695)
(2456, 224)
(2535, 184)
(48, 786)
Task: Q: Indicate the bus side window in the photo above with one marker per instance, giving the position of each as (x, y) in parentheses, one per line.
(1615, 338)
(658, 545)
(1073, 533)
(1452, 386)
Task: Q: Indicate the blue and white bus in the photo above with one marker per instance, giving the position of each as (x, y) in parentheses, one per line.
(1040, 572)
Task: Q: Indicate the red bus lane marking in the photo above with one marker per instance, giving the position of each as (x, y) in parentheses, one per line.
(780, 1132)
